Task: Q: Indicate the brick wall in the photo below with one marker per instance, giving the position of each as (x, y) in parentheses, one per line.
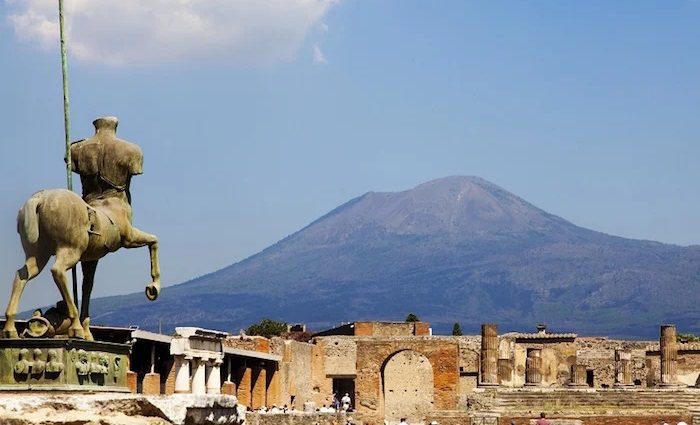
(151, 384)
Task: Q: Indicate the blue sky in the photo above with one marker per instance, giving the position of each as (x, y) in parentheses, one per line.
(255, 120)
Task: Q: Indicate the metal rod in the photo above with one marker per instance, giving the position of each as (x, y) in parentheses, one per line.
(66, 125)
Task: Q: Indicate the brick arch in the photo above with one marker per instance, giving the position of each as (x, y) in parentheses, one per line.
(412, 404)
(372, 357)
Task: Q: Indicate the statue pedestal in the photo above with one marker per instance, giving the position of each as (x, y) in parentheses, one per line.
(46, 364)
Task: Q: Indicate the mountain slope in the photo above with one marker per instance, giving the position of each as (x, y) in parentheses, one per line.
(458, 249)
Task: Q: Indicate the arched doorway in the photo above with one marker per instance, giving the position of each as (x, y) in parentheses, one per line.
(407, 383)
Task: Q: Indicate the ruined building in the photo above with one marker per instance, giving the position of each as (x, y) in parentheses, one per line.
(399, 369)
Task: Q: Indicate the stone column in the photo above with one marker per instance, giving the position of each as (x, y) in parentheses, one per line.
(623, 368)
(244, 386)
(259, 387)
(505, 372)
(214, 377)
(489, 354)
(199, 386)
(533, 367)
(228, 388)
(273, 387)
(182, 374)
(578, 376)
(669, 355)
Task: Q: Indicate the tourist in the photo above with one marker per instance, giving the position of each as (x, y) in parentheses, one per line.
(682, 423)
(345, 402)
(403, 421)
(335, 403)
(275, 409)
(543, 420)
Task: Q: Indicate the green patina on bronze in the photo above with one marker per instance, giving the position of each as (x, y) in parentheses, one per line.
(63, 364)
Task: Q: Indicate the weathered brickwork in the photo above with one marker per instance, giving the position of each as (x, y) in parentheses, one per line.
(373, 354)
(151, 384)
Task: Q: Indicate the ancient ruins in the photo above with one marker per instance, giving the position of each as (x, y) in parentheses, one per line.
(399, 369)
(365, 372)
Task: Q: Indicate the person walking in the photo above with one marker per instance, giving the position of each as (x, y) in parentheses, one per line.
(543, 420)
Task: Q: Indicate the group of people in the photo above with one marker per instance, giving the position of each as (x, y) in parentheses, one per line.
(344, 404)
(276, 410)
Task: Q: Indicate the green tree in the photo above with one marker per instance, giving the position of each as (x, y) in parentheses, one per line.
(267, 328)
(687, 337)
(412, 318)
(456, 330)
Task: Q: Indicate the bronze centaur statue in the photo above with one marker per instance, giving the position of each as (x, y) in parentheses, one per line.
(58, 222)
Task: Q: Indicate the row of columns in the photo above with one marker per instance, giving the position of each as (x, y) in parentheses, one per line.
(623, 361)
(206, 375)
(252, 385)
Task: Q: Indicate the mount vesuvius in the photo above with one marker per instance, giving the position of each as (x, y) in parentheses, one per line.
(457, 249)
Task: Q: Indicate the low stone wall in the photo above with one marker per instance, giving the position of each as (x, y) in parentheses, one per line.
(300, 418)
(603, 420)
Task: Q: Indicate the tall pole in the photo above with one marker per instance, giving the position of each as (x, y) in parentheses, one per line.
(66, 124)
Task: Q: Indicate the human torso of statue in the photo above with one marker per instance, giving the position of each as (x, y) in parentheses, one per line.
(105, 163)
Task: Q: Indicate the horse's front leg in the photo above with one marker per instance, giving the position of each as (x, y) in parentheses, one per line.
(89, 268)
(137, 238)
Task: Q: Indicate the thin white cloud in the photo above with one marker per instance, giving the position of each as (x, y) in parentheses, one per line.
(147, 32)
(318, 55)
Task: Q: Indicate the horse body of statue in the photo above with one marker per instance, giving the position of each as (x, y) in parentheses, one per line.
(61, 223)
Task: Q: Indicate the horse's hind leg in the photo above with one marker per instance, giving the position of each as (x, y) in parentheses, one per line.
(65, 259)
(89, 268)
(32, 267)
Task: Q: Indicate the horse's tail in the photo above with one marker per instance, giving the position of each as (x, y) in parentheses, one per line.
(30, 219)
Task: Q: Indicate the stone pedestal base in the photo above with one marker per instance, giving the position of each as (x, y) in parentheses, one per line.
(228, 388)
(63, 364)
(671, 386)
(488, 384)
(151, 384)
(131, 381)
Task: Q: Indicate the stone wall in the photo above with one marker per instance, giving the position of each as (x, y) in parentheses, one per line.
(299, 418)
(598, 355)
(372, 356)
(295, 382)
(322, 385)
(687, 367)
(469, 347)
(652, 419)
(557, 359)
(241, 342)
(407, 394)
(340, 355)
